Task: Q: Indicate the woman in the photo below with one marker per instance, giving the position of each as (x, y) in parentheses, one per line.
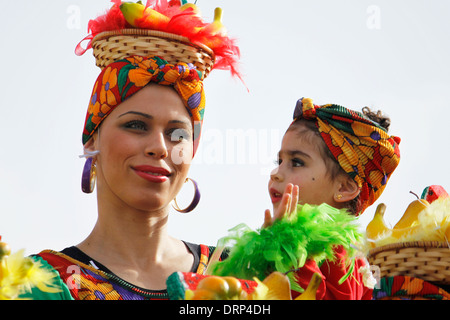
(141, 132)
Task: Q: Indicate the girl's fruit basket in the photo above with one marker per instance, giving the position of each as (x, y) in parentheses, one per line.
(427, 260)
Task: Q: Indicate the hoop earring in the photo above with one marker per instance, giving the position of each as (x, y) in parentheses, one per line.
(88, 176)
(194, 202)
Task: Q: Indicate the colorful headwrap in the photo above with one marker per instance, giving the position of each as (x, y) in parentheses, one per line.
(361, 146)
(123, 78)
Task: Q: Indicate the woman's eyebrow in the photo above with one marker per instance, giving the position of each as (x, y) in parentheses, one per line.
(145, 115)
(187, 124)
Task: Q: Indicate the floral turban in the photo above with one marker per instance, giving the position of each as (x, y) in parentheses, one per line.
(123, 78)
(363, 148)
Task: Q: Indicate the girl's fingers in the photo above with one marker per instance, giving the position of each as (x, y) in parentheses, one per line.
(283, 209)
(294, 200)
(267, 219)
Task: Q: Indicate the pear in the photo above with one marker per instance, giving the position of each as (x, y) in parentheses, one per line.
(410, 217)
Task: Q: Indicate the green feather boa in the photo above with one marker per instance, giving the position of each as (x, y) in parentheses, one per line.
(312, 233)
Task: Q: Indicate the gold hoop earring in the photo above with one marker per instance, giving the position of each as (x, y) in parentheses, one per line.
(194, 202)
(88, 176)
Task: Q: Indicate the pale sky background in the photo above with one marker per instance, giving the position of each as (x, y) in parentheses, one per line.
(388, 55)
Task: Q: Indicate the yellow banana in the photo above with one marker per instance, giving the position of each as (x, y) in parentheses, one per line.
(311, 291)
(186, 6)
(217, 24)
(410, 217)
(377, 226)
(137, 15)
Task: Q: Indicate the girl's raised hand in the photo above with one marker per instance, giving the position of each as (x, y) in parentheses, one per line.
(288, 205)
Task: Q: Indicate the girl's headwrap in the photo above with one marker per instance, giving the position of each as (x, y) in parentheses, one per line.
(121, 79)
(362, 147)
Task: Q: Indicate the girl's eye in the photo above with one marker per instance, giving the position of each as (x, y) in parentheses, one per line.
(297, 162)
(179, 135)
(278, 161)
(136, 125)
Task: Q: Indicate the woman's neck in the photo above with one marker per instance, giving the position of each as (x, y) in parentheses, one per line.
(136, 247)
(128, 233)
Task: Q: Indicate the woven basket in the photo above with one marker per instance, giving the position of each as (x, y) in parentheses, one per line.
(427, 260)
(111, 46)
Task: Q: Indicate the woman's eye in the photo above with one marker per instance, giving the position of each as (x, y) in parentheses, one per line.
(179, 135)
(297, 163)
(278, 161)
(136, 125)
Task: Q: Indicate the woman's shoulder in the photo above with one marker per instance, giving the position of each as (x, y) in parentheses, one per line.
(59, 289)
(203, 254)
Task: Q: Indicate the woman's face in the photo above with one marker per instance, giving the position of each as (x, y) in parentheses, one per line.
(145, 149)
(301, 163)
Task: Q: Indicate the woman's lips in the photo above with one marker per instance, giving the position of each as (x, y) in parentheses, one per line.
(152, 174)
(275, 196)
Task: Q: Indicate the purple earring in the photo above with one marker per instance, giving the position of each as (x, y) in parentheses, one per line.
(194, 202)
(88, 177)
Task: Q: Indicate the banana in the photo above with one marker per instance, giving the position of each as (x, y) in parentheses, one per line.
(212, 32)
(194, 8)
(410, 217)
(138, 16)
(217, 24)
(311, 291)
(377, 227)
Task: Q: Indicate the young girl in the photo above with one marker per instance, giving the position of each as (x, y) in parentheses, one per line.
(333, 155)
(335, 163)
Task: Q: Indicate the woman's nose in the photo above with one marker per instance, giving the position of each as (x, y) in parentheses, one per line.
(157, 146)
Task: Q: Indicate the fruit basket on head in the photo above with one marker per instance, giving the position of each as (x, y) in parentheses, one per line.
(418, 246)
(173, 30)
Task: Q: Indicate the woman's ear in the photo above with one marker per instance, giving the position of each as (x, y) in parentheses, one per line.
(347, 190)
(90, 147)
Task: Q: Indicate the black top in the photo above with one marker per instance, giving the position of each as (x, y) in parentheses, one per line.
(79, 255)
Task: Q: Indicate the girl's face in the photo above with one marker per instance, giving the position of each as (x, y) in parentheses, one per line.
(145, 149)
(301, 163)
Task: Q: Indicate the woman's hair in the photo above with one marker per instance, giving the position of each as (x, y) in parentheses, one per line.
(310, 132)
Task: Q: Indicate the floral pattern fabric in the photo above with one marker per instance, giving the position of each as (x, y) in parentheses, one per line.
(408, 288)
